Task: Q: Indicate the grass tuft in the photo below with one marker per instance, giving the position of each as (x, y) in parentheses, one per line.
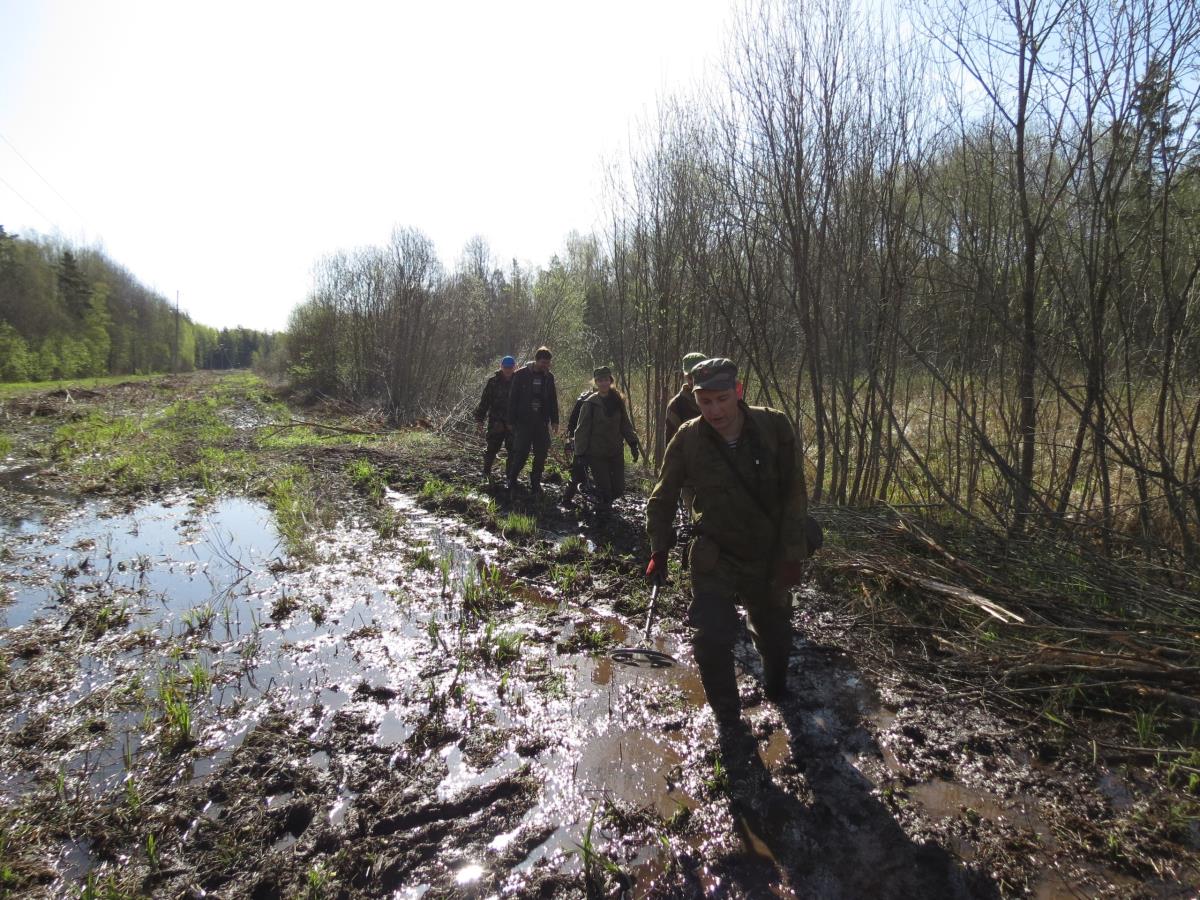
(518, 525)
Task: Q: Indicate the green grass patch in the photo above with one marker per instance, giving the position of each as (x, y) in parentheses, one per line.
(139, 452)
(388, 524)
(417, 441)
(423, 559)
(366, 479)
(291, 498)
(572, 545)
(500, 648)
(517, 525)
(483, 591)
(301, 436)
(435, 491)
(567, 577)
(219, 470)
(593, 639)
(176, 716)
(17, 388)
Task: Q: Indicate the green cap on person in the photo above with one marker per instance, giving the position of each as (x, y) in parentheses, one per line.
(690, 360)
(717, 374)
(602, 372)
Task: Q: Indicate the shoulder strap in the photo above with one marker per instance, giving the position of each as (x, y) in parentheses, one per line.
(724, 453)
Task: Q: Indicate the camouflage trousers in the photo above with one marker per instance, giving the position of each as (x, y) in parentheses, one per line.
(720, 583)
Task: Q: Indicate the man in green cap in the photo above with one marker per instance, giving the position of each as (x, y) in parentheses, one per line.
(744, 467)
(603, 423)
(682, 407)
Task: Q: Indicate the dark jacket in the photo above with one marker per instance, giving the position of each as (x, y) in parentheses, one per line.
(573, 419)
(745, 523)
(493, 405)
(682, 408)
(526, 406)
(602, 425)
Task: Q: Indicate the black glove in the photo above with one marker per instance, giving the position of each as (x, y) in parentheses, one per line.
(635, 451)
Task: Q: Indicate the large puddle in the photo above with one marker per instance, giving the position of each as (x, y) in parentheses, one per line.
(200, 603)
(115, 621)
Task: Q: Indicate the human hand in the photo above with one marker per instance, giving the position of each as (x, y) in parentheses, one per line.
(570, 445)
(634, 452)
(656, 569)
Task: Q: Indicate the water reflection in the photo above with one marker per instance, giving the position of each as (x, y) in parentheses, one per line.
(196, 599)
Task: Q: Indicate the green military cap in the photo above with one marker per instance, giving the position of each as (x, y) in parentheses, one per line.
(715, 375)
(690, 360)
(602, 372)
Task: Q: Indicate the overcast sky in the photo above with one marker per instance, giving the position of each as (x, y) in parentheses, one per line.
(219, 149)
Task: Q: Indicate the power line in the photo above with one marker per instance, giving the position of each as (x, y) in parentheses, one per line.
(30, 205)
(71, 205)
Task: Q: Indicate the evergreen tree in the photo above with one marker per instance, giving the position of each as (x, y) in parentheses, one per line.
(73, 287)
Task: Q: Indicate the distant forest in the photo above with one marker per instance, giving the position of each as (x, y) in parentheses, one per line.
(69, 312)
(962, 255)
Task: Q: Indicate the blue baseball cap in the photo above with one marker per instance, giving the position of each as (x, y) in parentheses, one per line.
(507, 363)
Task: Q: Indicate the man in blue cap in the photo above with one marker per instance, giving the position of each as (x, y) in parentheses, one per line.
(493, 406)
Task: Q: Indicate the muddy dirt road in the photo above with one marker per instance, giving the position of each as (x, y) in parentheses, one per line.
(287, 662)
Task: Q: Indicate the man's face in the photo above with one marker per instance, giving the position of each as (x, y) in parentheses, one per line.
(506, 372)
(719, 408)
(542, 365)
(603, 385)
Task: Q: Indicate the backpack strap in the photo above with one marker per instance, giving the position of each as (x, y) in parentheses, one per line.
(725, 454)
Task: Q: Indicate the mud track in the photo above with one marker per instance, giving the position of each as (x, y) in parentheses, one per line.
(424, 708)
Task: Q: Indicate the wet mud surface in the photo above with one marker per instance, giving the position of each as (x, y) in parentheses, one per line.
(428, 709)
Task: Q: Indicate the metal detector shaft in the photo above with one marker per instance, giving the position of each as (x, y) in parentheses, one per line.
(645, 657)
(650, 611)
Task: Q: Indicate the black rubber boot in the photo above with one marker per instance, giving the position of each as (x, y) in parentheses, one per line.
(775, 685)
(719, 678)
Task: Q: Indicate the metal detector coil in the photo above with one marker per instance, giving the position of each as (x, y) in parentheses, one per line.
(644, 657)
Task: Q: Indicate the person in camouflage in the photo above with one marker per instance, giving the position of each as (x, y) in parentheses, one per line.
(493, 407)
(603, 423)
(682, 407)
(749, 506)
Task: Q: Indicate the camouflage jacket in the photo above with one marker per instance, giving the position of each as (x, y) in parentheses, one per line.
(599, 430)
(682, 408)
(745, 526)
(493, 405)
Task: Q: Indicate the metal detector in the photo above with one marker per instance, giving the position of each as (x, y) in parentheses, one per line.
(644, 657)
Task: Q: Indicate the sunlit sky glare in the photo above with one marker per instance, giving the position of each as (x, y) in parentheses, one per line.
(220, 149)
